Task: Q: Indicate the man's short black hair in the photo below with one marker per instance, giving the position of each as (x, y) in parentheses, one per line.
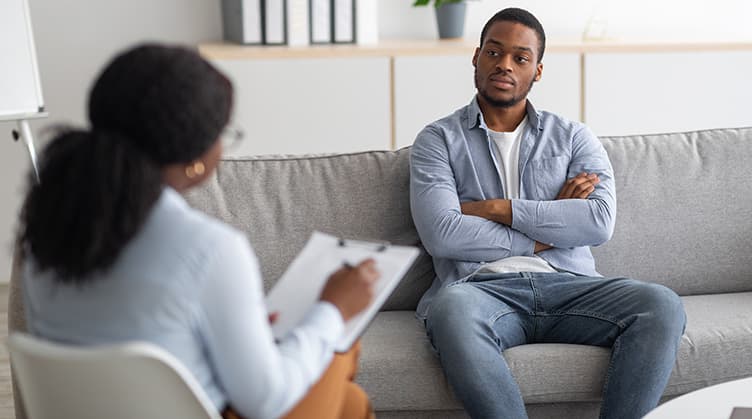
(524, 17)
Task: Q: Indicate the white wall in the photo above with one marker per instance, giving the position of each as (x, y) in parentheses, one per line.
(75, 38)
(663, 20)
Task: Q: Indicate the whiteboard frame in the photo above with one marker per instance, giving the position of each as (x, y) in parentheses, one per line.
(33, 51)
(22, 119)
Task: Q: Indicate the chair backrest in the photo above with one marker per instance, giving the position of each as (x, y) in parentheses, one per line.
(131, 380)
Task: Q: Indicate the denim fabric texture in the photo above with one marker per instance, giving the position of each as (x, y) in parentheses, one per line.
(471, 317)
(473, 321)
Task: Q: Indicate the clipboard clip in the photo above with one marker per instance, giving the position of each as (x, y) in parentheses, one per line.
(379, 246)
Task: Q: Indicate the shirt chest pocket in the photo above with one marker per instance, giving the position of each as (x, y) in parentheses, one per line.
(548, 175)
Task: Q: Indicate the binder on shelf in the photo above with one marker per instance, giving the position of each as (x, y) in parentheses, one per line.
(241, 21)
(321, 21)
(366, 22)
(297, 23)
(300, 286)
(344, 21)
(275, 31)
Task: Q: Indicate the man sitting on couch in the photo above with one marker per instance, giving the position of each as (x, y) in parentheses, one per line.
(507, 199)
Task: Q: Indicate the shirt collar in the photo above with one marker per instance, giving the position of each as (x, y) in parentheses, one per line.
(475, 116)
(171, 197)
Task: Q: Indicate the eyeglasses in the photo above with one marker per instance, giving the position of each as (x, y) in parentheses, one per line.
(231, 137)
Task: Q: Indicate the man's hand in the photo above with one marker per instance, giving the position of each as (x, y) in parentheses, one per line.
(539, 247)
(498, 210)
(579, 187)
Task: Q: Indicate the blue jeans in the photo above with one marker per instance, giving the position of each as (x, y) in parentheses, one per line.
(470, 323)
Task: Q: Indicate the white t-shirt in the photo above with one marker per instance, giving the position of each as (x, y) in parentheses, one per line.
(507, 150)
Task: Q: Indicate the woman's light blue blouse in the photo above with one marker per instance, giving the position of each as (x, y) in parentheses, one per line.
(192, 285)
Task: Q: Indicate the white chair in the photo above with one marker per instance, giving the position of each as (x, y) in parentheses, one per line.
(127, 381)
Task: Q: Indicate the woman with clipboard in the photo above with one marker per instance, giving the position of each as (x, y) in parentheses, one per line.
(113, 252)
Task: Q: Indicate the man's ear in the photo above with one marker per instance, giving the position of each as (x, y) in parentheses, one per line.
(475, 57)
(538, 72)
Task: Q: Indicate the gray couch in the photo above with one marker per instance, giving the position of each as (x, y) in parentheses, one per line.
(684, 220)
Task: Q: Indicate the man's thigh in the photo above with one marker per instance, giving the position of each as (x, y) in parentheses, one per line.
(498, 307)
(593, 310)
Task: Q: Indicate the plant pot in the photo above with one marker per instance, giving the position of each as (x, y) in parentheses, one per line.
(450, 18)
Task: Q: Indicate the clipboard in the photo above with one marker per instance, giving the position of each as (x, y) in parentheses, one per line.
(300, 286)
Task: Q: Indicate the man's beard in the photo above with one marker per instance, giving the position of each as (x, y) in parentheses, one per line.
(500, 103)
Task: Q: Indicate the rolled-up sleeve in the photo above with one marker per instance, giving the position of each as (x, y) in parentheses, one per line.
(434, 202)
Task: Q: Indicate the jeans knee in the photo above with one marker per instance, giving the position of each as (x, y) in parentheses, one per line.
(664, 308)
(449, 304)
(454, 314)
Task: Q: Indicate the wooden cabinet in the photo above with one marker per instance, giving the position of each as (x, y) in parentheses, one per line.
(320, 105)
(343, 98)
(666, 91)
(427, 88)
(559, 89)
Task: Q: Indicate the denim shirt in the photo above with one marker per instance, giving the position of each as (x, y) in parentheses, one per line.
(452, 161)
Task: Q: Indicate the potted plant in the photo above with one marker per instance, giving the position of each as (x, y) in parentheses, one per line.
(450, 16)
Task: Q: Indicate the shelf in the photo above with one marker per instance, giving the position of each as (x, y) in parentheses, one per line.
(396, 48)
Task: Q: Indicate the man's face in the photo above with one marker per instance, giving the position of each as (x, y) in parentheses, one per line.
(506, 65)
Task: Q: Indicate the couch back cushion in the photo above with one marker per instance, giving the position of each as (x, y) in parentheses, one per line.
(684, 215)
(278, 202)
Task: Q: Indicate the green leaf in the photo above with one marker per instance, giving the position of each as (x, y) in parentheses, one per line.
(421, 2)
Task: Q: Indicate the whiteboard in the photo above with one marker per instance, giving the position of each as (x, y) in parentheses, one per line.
(20, 89)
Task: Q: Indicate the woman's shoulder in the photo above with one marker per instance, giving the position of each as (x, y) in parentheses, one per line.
(172, 210)
(175, 229)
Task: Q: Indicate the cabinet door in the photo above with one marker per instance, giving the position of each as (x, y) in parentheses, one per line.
(560, 87)
(311, 105)
(426, 89)
(429, 88)
(639, 93)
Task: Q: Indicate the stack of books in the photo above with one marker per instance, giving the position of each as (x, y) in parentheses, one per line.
(300, 22)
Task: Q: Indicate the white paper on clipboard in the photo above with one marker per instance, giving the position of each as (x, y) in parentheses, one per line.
(300, 286)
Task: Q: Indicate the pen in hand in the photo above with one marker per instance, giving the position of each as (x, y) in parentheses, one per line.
(351, 288)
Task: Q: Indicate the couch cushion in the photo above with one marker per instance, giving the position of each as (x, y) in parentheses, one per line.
(717, 344)
(279, 201)
(684, 205)
(399, 370)
(684, 210)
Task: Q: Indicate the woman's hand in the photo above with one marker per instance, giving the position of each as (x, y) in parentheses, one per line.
(350, 289)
